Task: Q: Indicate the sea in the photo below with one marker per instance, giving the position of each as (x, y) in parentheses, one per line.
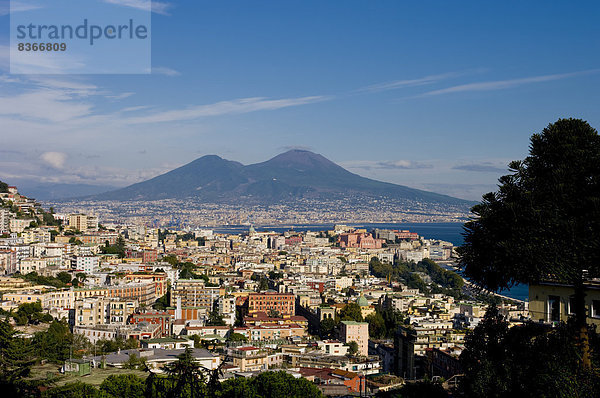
(449, 232)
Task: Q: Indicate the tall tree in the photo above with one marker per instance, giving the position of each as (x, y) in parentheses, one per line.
(16, 359)
(543, 222)
(188, 379)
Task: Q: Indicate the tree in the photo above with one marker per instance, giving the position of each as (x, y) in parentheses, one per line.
(31, 313)
(16, 359)
(64, 277)
(543, 222)
(72, 390)
(377, 327)
(81, 276)
(123, 386)
(188, 379)
(352, 348)
(327, 328)
(237, 337)
(269, 385)
(171, 259)
(525, 361)
(215, 319)
(263, 284)
(55, 343)
(351, 312)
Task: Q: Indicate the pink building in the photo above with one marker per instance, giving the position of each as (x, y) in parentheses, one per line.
(359, 240)
(358, 332)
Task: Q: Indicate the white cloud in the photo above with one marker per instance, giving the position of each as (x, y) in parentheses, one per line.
(243, 105)
(158, 7)
(510, 83)
(44, 104)
(401, 164)
(397, 84)
(120, 96)
(162, 70)
(54, 159)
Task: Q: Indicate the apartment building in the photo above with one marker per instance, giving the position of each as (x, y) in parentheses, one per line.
(281, 303)
(358, 332)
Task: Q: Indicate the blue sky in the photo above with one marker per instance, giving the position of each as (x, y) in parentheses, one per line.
(433, 95)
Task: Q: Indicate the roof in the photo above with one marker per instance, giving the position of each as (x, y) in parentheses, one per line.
(157, 354)
(354, 323)
(362, 301)
(247, 348)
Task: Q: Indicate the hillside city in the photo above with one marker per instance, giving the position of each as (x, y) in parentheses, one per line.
(352, 311)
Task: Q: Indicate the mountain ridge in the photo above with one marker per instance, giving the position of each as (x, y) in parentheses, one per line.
(295, 174)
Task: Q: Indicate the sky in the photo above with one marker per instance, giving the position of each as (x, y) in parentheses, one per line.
(434, 95)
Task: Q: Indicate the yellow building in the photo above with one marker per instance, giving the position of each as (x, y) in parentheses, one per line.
(553, 302)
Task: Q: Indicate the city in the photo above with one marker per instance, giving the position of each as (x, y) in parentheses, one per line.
(352, 310)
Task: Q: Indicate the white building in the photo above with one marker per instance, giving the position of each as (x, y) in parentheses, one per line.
(88, 264)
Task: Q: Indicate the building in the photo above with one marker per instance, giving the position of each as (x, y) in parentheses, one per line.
(168, 343)
(140, 331)
(444, 363)
(161, 318)
(332, 347)
(359, 240)
(358, 332)
(404, 344)
(193, 293)
(82, 222)
(249, 358)
(88, 264)
(18, 225)
(103, 311)
(5, 217)
(8, 262)
(226, 308)
(157, 358)
(280, 303)
(159, 279)
(554, 301)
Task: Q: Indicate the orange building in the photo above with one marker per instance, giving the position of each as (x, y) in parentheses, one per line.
(283, 303)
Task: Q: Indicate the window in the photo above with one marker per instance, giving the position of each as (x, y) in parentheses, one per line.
(595, 309)
(571, 306)
(553, 308)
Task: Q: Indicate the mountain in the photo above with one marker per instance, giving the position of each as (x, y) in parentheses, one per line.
(296, 174)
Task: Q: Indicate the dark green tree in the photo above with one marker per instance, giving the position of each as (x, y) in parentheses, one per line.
(187, 377)
(237, 337)
(530, 360)
(377, 328)
(64, 277)
(327, 328)
(123, 386)
(269, 385)
(352, 348)
(17, 357)
(543, 222)
(56, 343)
(351, 312)
(215, 319)
(72, 390)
